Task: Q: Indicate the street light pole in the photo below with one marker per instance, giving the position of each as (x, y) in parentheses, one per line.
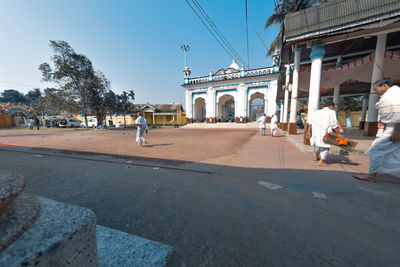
(185, 49)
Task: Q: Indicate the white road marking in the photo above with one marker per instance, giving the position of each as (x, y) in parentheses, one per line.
(129, 161)
(319, 195)
(156, 168)
(37, 156)
(269, 185)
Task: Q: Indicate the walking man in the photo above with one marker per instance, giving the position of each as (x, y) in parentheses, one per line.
(320, 123)
(384, 153)
(262, 121)
(141, 128)
(274, 124)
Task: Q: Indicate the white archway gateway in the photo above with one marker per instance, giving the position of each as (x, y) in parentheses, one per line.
(256, 106)
(229, 93)
(199, 109)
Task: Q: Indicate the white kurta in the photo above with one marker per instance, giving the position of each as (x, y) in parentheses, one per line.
(262, 122)
(274, 122)
(322, 122)
(384, 154)
(141, 127)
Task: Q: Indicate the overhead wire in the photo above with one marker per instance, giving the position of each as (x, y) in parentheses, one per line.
(247, 37)
(219, 33)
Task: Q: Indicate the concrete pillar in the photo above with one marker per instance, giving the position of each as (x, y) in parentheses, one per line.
(210, 106)
(189, 106)
(272, 92)
(266, 105)
(281, 113)
(295, 90)
(336, 92)
(317, 53)
(240, 111)
(370, 128)
(364, 111)
(286, 100)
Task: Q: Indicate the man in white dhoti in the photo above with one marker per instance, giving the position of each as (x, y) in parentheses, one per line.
(274, 124)
(262, 124)
(320, 123)
(384, 153)
(141, 128)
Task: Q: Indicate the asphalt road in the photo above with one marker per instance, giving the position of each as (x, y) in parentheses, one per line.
(217, 215)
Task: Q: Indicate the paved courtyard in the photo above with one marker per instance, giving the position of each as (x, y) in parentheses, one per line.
(219, 197)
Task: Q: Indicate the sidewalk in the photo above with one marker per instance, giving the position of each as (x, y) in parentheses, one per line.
(364, 142)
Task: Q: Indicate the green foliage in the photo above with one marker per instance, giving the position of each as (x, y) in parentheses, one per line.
(13, 96)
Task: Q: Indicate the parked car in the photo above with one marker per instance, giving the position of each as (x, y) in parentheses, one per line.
(70, 122)
(92, 123)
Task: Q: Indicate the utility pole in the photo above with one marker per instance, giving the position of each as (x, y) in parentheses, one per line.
(185, 49)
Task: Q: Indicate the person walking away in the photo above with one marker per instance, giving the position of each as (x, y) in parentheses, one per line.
(384, 153)
(141, 128)
(274, 124)
(320, 123)
(262, 124)
(104, 125)
(37, 122)
(299, 121)
(30, 124)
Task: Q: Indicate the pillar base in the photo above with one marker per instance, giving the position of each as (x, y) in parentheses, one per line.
(370, 128)
(284, 126)
(292, 128)
(211, 120)
(188, 120)
(241, 120)
(361, 126)
(305, 140)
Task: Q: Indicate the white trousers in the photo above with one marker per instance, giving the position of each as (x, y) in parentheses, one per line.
(262, 130)
(140, 136)
(321, 152)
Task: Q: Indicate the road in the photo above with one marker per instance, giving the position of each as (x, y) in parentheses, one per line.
(267, 204)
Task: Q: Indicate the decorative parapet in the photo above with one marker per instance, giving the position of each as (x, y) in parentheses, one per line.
(232, 75)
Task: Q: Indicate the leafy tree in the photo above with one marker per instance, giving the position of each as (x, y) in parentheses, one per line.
(12, 96)
(33, 96)
(282, 8)
(77, 81)
(110, 103)
(124, 103)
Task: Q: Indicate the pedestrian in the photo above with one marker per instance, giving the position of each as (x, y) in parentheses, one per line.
(37, 122)
(384, 153)
(104, 125)
(299, 122)
(30, 124)
(274, 124)
(262, 124)
(141, 128)
(320, 123)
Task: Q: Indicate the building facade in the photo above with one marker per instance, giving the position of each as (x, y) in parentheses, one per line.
(231, 95)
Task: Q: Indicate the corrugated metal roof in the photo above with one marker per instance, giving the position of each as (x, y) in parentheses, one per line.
(337, 16)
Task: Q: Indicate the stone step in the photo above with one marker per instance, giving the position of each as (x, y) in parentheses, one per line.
(117, 248)
(10, 187)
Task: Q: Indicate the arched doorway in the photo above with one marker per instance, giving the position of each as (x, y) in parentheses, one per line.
(226, 108)
(199, 109)
(256, 106)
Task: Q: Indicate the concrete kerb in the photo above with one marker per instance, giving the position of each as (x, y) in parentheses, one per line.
(334, 150)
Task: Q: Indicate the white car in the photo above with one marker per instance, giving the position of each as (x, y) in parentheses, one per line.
(70, 122)
(92, 123)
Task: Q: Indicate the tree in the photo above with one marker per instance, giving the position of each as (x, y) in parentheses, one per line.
(33, 96)
(124, 103)
(110, 103)
(77, 81)
(282, 8)
(12, 96)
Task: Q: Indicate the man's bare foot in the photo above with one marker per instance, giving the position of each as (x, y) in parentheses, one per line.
(316, 158)
(366, 177)
(322, 163)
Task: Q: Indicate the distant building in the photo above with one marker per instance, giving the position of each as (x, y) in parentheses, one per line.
(230, 94)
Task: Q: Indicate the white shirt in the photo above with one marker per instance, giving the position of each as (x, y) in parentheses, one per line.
(389, 106)
(141, 123)
(274, 121)
(322, 121)
(262, 120)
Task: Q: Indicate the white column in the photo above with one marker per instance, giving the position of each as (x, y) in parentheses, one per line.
(281, 113)
(189, 105)
(377, 73)
(295, 85)
(265, 105)
(364, 107)
(240, 99)
(317, 53)
(286, 103)
(272, 92)
(210, 103)
(336, 92)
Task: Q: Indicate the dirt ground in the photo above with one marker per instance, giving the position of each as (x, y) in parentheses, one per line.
(168, 143)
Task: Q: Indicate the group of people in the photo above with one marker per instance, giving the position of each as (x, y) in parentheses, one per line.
(33, 121)
(273, 124)
(384, 152)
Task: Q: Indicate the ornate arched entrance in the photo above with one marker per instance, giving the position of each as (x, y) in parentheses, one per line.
(199, 109)
(256, 106)
(226, 108)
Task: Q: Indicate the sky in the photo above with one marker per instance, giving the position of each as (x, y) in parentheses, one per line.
(136, 44)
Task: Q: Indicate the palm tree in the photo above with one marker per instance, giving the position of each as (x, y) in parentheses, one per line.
(282, 8)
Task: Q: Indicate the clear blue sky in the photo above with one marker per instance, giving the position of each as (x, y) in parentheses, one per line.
(136, 44)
